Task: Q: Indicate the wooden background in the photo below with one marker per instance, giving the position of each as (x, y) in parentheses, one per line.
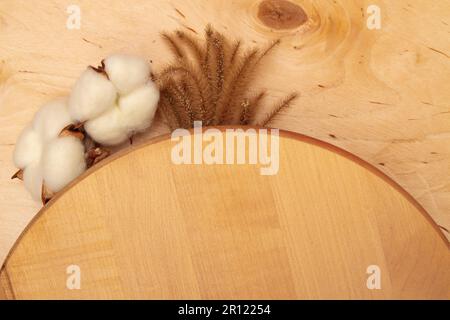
(380, 94)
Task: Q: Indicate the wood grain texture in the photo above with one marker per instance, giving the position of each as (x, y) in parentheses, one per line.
(142, 227)
(6, 292)
(382, 95)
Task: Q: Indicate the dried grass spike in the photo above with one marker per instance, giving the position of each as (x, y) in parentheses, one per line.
(254, 105)
(192, 44)
(269, 49)
(167, 110)
(220, 51)
(168, 116)
(245, 105)
(208, 37)
(235, 87)
(173, 45)
(196, 82)
(183, 102)
(235, 51)
(210, 81)
(282, 105)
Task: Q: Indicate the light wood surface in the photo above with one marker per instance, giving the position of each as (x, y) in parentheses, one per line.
(6, 292)
(382, 95)
(143, 227)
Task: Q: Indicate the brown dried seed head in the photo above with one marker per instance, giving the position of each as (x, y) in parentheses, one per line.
(215, 76)
(173, 45)
(285, 103)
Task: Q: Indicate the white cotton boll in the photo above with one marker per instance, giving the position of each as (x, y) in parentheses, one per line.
(139, 107)
(107, 129)
(127, 72)
(32, 178)
(51, 119)
(92, 95)
(62, 162)
(28, 148)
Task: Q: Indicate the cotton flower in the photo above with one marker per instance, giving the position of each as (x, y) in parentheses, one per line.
(127, 72)
(133, 113)
(33, 180)
(115, 100)
(109, 103)
(107, 129)
(44, 158)
(92, 95)
(51, 119)
(28, 149)
(62, 161)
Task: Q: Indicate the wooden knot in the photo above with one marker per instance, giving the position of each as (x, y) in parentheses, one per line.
(281, 14)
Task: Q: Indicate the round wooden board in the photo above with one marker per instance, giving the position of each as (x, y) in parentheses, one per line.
(142, 227)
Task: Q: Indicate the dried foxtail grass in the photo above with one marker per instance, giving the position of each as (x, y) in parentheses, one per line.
(210, 81)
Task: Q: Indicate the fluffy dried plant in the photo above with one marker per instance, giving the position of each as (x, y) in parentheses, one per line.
(210, 81)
